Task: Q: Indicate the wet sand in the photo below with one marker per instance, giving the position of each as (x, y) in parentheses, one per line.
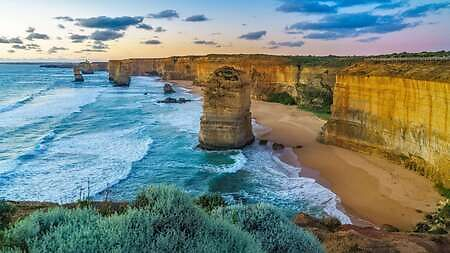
(371, 188)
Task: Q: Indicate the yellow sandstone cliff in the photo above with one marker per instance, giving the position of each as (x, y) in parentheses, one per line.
(399, 109)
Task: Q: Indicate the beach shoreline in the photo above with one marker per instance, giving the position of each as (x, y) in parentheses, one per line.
(372, 190)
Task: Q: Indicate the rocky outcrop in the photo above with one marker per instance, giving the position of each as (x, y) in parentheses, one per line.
(397, 113)
(119, 73)
(338, 238)
(78, 77)
(226, 119)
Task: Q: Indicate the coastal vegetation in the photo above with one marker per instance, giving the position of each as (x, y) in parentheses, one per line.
(161, 219)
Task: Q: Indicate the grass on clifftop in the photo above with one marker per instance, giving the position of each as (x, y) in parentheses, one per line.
(161, 219)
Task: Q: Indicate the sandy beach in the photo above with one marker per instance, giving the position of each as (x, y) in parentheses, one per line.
(372, 189)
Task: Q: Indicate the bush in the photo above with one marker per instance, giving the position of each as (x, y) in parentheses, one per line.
(209, 202)
(6, 214)
(275, 232)
(164, 220)
(282, 98)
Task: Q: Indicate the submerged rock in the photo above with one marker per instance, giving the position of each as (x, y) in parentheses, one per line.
(174, 101)
(226, 119)
(168, 89)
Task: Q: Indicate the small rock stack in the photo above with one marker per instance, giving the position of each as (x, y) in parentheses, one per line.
(226, 120)
(77, 74)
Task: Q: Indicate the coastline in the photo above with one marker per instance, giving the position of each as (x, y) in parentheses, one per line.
(372, 190)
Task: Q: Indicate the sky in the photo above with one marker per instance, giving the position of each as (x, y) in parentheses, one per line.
(36, 30)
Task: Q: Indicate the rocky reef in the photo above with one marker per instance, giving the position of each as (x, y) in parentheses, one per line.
(226, 119)
(399, 110)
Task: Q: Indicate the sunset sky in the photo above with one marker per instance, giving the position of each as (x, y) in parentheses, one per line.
(109, 29)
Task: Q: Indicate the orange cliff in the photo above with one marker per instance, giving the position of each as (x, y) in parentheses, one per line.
(401, 110)
(268, 74)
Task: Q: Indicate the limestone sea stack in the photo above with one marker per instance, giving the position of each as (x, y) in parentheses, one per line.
(119, 73)
(226, 120)
(86, 68)
(77, 74)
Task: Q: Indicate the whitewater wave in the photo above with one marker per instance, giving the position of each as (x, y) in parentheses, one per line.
(22, 101)
(93, 160)
(54, 103)
(280, 184)
(238, 162)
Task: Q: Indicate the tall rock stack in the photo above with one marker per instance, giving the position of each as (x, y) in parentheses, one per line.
(86, 68)
(78, 77)
(119, 73)
(226, 119)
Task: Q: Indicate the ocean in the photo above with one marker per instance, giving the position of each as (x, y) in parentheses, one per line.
(61, 141)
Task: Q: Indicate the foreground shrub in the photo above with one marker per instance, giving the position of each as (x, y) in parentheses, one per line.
(282, 98)
(209, 202)
(271, 228)
(6, 214)
(163, 220)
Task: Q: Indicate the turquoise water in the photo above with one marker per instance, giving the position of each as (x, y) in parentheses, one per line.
(60, 140)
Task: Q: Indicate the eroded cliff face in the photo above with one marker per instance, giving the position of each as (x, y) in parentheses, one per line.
(226, 120)
(406, 119)
(268, 74)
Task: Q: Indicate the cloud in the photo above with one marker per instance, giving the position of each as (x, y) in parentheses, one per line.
(11, 51)
(65, 18)
(196, 18)
(103, 22)
(77, 38)
(253, 35)
(275, 44)
(144, 27)
(106, 35)
(152, 42)
(159, 29)
(53, 50)
(16, 40)
(330, 6)
(369, 39)
(19, 47)
(425, 9)
(205, 42)
(30, 30)
(351, 25)
(37, 36)
(393, 5)
(61, 26)
(307, 6)
(91, 50)
(33, 46)
(329, 35)
(168, 14)
(99, 45)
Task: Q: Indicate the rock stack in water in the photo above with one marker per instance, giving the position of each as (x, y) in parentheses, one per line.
(77, 74)
(226, 119)
(119, 73)
(86, 68)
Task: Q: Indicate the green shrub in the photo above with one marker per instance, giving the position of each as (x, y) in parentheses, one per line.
(6, 214)
(209, 202)
(282, 98)
(164, 220)
(275, 232)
